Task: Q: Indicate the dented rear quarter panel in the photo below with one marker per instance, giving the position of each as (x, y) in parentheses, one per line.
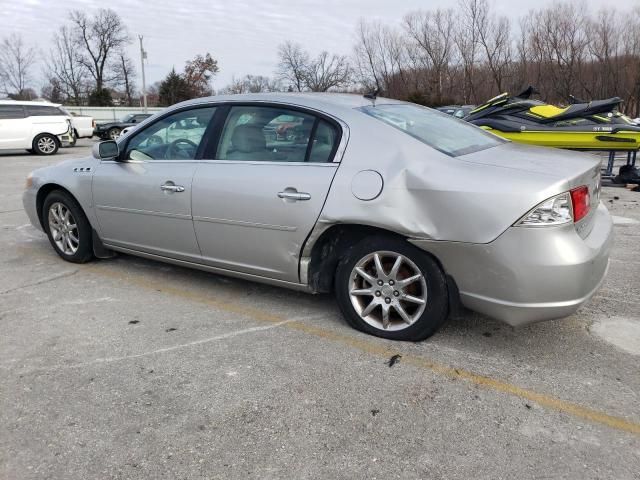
(428, 194)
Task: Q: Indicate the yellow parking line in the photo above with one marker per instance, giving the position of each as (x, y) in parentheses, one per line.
(373, 348)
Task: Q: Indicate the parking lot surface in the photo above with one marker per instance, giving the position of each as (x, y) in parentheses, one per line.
(128, 368)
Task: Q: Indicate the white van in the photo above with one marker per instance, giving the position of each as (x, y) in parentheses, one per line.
(38, 127)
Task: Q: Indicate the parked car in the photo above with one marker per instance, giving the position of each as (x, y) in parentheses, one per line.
(400, 210)
(112, 130)
(459, 111)
(83, 125)
(38, 127)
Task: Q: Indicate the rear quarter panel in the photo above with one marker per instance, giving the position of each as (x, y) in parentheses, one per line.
(428, 194)
(45, 124)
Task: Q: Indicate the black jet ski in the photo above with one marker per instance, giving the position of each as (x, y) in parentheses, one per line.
(595, 125)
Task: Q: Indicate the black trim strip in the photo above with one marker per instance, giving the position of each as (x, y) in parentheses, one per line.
(312, 137)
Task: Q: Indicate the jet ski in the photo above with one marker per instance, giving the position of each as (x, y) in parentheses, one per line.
(595, 125)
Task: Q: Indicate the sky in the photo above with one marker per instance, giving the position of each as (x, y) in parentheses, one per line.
(242, 34)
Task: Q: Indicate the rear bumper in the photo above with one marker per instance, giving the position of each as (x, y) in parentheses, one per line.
(529, 274)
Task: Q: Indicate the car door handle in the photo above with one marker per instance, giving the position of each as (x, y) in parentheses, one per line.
(293, 195)
(168, 187)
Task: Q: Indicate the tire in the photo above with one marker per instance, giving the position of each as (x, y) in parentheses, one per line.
(363, 302)
(45, 144)
(113, 133)
(63, 240)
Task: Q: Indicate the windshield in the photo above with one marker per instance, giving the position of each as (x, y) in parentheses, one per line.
(127, 118)
(443, 132)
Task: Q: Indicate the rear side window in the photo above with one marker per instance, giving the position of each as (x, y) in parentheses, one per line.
(11, 111)
(42, 111)
(324, 141)
(443, 132)
(276, 134)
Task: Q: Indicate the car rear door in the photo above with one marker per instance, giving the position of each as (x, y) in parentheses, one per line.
(15, 128)
(143, 202)
(258, 195)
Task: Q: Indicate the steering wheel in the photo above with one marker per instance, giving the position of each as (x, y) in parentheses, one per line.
(175, 151)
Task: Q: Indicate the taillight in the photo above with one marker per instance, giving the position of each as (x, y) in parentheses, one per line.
(581, 202)
(567, 207)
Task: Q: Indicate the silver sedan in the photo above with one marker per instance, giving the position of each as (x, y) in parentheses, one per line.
(402, 211)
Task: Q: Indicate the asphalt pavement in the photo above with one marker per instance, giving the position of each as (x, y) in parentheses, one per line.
(127, 368)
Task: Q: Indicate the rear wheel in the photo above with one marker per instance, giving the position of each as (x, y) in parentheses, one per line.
(67, 227)
(391, 289)
(45, 144)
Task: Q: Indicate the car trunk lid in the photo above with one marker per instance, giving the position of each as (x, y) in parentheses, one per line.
(575, 169)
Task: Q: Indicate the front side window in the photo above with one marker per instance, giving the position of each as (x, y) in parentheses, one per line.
(175, 137)
(443, 132)
(11, 111)
(274, 134)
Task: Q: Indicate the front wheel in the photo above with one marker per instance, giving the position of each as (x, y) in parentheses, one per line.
(113, 133)
(45, 144)
(67, 227)
(391, 289)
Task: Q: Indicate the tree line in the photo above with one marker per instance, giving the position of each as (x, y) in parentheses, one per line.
(433, 57)
(471, 53)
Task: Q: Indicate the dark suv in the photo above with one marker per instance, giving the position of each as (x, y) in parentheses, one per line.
(111, 130)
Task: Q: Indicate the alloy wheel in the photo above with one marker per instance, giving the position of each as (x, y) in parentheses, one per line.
(46, 145)
(388, 290)
(63, 228)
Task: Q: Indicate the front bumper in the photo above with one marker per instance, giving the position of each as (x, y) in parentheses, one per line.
(529, 274)
(29, 203)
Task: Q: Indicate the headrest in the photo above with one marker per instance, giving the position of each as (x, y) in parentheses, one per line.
(248, 138)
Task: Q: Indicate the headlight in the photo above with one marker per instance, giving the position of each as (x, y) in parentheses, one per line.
(553, 211)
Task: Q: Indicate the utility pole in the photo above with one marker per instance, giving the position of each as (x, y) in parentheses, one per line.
(143, 57)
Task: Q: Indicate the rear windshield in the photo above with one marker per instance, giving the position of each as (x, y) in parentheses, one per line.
(438, 130)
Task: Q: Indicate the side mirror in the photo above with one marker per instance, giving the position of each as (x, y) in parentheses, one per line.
(133, 120)
(107, 150)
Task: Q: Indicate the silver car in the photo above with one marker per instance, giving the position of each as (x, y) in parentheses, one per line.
(402, 211)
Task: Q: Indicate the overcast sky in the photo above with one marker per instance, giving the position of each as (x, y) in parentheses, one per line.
(242, 34)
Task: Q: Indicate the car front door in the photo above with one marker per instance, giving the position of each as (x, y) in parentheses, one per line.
(258, 197)
(143, 201)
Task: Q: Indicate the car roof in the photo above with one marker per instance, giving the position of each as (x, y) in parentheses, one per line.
(323, 100)
(29, 102)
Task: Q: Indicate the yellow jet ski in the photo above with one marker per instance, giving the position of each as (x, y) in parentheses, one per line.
(595, 125)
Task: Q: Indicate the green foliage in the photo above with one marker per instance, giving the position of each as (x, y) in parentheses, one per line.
(173, 89)
(100, 98)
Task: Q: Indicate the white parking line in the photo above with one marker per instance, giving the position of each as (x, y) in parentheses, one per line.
(98, 361)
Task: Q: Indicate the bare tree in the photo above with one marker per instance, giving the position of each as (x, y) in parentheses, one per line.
(433, 33)
(64, 69)
(380, 58)
(16, 61)
(319, 74)
(562, 38)
(124, 75)
(252, 84)
(494, 38)
(198, 73)
(466, 40)
(293, 65)
(97, 41)
(328, 71)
